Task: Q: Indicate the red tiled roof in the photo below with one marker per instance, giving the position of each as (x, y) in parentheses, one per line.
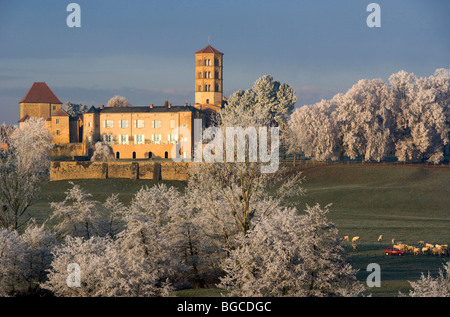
(209, 49)
(40, 92)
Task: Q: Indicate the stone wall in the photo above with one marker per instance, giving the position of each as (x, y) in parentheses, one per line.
(127, 170)
(69, 149)
(66, 170)
(78, 170)
(174, 170)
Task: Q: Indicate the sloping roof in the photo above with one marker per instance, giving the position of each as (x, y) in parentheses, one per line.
(60, 113)
(24, 118)
(209, 49)
(40, 92)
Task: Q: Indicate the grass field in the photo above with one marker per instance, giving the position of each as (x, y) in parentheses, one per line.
(407, 203)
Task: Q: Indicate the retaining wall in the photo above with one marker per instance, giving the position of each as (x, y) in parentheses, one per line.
(66, 170)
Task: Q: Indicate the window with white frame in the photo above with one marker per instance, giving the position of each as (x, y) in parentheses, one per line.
(173, 138)
(108, 138)
(156, 138)
(108, 123)
(124, 123)
(172, 124)
(124, 139)
(156, 124)
(139, 123)
(139, 139)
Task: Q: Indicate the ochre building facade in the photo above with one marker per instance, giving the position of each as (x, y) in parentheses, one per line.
(134, 132)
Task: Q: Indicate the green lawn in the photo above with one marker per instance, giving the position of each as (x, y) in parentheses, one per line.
(407, 203)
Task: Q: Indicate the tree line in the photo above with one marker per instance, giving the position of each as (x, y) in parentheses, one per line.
(407, 117)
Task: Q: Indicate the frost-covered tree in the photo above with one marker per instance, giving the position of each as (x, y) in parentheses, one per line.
(12, 264)
(118, 101)
(287, 254)
(31, 145)
(408, 116)
(230, 195)
(314, 131)
(39, 243)
(112, 211)
(267, 97)
(23, 168)
(151, 240)
(364, 118)
(421, 115)
(5, 134)
(105, 271)
(77, 215)
(102, 153)
(75, 109)
(93, 257)
(429, 286)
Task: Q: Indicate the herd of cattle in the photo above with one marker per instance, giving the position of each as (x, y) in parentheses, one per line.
(421, 248)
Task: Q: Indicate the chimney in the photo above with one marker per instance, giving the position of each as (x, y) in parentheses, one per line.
(102, 106)
(169, 105)
(185, 104)
(151, 106)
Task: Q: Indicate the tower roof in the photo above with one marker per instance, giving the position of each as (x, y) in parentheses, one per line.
(209, 49)
(40, 92)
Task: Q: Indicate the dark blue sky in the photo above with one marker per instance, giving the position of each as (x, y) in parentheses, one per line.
(144, 50)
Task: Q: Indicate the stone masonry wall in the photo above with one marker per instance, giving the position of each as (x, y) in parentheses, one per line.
(66, 170)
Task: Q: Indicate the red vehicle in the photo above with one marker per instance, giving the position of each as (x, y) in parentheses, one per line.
(394, 251)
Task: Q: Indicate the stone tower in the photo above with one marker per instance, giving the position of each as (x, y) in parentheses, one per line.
(209, 79)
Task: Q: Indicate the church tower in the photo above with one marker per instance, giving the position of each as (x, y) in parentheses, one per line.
(209, 79)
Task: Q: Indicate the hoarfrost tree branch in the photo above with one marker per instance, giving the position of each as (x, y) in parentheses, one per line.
(314, 131)
(74, 109)
(422, 116)
(23, 168)
(267, 97)
(428, 286)
(118, 101)
(408, 116)
(12, 263)
(77, 215)
(102, 153)
(230, 194)
(364, 118)
(287, 254)
(39, 243)
(143, 259)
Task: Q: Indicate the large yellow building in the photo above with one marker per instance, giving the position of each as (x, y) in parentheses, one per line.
(135, 132)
